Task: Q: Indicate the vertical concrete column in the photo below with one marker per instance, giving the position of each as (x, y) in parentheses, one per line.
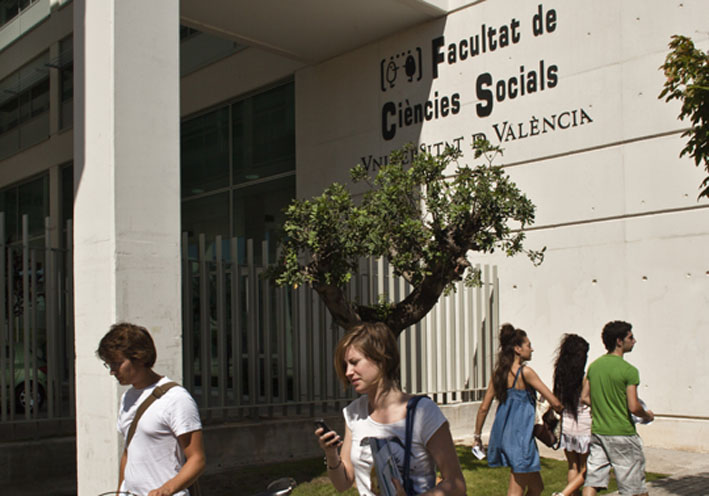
(126, 207)
(55, 100)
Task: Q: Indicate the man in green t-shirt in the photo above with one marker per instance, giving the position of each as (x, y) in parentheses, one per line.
(612, 391)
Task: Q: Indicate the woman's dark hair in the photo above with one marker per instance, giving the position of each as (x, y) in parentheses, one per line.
(569, 369)
(509, 338)
(376, 342)
(132, 341)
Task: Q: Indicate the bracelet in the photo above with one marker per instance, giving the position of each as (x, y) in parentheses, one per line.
(477, 436)
(335, 467)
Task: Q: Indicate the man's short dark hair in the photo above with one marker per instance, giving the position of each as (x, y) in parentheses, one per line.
(132, 341)
(613, 331)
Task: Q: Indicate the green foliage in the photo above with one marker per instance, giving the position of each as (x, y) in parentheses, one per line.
(687, 72)
(422, 221)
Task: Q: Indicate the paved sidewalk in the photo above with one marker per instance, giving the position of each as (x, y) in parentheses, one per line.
(689, 471)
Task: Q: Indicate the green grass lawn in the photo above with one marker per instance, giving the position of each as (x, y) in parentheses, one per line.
(480, 479)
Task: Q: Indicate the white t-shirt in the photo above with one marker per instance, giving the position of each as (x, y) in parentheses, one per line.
(154, 455)
(427, 420)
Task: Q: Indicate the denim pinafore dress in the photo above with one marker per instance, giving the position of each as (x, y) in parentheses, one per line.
(511, 439)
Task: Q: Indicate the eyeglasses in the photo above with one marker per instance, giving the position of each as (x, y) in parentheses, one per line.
(112, 365)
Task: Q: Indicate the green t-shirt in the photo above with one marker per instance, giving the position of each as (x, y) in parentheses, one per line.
(609, 377)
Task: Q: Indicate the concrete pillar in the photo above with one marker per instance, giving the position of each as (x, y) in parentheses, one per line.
(126, 208)
(55, 99)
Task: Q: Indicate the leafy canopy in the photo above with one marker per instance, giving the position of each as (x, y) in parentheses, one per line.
(423, 222)
(687, 72)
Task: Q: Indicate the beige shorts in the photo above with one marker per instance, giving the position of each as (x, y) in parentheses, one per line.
(625, 455)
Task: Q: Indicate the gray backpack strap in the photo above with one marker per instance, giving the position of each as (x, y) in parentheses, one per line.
(158, 391)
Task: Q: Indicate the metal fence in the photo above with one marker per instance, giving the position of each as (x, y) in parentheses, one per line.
(36, 334)
(269, 349)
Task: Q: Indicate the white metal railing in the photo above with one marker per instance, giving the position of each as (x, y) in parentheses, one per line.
(269, 349)
(36, 335)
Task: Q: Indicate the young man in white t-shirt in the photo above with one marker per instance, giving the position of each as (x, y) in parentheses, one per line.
(166, 453)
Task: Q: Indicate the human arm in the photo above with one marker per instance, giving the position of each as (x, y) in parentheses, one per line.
(531, 378)
(122, 470)
(339, 465)
(442, 450)
(634, 405)
(482, 413)
(586, 392)
(193, 446)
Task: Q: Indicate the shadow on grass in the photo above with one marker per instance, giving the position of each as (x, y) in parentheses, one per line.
(312, 480)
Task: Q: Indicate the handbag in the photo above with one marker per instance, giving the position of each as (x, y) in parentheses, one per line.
(547, 424)
(157, 393)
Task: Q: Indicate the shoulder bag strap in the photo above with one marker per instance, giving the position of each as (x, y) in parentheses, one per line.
(410, 411)
(157, 392)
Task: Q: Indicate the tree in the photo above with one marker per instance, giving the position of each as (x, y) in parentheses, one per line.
(687, 72)
(424, 223)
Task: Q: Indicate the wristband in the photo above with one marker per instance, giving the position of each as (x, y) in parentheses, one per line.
(335, 467)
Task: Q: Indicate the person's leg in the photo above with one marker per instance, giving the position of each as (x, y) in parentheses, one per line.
(589, 491)
(572, 460)
(515, 488)
(535, 486)
(574, 486)
(598, 467)
(628, 460)
(532, 482)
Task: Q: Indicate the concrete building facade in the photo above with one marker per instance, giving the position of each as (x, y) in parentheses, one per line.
(277, 101)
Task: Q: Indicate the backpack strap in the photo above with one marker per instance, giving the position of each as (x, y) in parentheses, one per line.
(410, 411)
(157, 393)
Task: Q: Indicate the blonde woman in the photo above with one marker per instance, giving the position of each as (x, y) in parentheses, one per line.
(367, 357)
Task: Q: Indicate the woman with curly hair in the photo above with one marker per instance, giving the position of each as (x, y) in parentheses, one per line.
(511, 439)
(576, 425)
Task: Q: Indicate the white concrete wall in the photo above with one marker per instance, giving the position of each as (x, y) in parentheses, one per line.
(126, 208)
(617, 209)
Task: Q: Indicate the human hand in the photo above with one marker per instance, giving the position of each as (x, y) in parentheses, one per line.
(478, 441)
(649, 415)
(164, 490)
(399, 488)
(329, 440)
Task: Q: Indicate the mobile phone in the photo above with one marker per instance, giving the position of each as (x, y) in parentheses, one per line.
(320, 423)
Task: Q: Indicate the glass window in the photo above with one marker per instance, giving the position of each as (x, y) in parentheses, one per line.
(205, 153)
(9, 116)
(24, 97)
(258, 212)
(31, 199)
(263, 130)
(39, 98)
(9, 9)
(8, 205)
(248, 204)
(208, 215)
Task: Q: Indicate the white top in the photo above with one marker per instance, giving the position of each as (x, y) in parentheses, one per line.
(154, 455)
(427, 420)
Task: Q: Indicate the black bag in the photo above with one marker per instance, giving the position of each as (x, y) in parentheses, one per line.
(548, 428)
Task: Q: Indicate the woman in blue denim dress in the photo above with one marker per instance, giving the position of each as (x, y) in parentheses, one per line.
(511, 439)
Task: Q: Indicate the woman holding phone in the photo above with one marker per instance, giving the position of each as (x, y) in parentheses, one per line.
(367, 357)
